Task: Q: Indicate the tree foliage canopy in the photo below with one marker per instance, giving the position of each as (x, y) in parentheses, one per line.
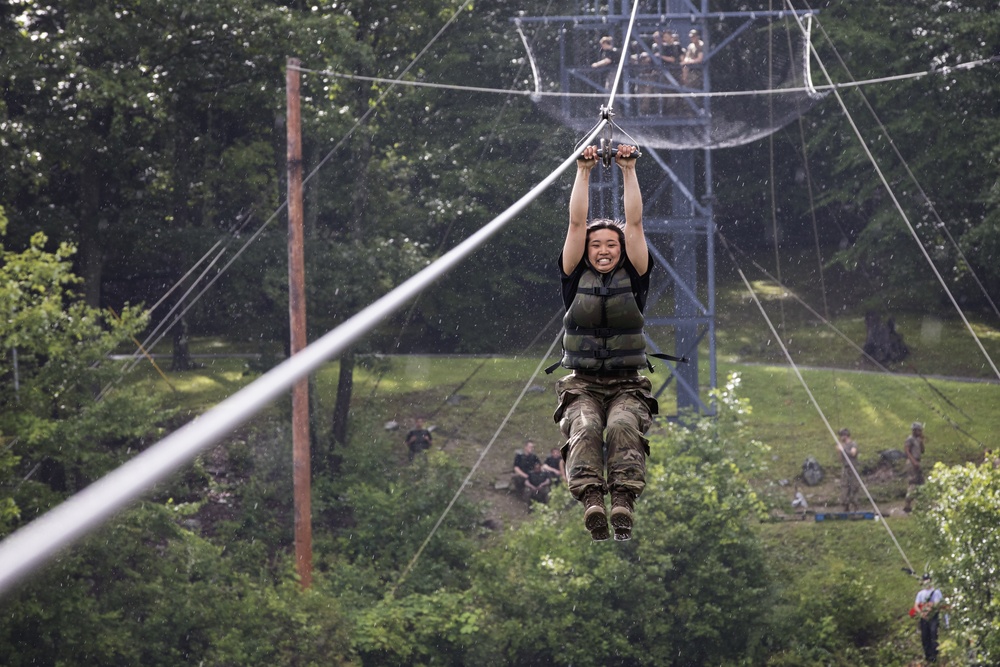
(940, 128)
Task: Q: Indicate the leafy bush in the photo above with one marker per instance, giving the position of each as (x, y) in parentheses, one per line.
(963, 511)
(143, 591)
(62, 425)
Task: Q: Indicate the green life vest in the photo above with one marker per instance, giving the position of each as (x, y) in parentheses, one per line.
(604, 325)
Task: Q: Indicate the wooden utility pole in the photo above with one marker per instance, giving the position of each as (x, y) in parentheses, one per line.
(297, 320)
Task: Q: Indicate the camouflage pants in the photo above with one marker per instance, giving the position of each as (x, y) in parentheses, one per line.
(603, 420)
(915, 476)
(849, 490)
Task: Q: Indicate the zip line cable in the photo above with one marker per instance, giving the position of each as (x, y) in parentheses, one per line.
(622, 58)
(482, 455)
(35, 544)
(812, 398)
(634, 96)
(899, 208)
(930, 204)
(826, 321)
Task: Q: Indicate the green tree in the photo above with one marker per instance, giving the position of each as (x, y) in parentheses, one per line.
(956, 168)
(143, 132)
(963, 508)
(59, 433)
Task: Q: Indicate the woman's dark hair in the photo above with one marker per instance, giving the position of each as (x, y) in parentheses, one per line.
(607, 223)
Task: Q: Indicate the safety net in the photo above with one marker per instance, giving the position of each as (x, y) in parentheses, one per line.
(710, 84)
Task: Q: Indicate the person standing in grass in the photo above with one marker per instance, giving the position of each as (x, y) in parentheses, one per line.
(927, 608)
(914, 450)
(847, 451)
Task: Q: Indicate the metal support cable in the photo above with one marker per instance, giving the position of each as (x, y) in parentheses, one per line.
(35, 544)
(810, 89)
(623, 58)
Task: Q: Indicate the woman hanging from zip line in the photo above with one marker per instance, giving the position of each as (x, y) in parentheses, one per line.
(605, 405)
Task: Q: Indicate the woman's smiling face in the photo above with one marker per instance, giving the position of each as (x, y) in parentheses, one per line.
(604, 249)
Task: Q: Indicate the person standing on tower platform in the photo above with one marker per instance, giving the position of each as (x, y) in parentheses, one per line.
(692, 60)
(606, 58)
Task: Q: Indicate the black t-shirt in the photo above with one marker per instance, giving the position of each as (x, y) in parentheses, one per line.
(611, 53)
(537, 477)
(640, 284)
(553, 462)
(419, 438)
(526, 462)
(671, 50)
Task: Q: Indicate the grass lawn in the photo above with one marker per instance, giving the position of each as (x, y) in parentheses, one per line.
(468, 398)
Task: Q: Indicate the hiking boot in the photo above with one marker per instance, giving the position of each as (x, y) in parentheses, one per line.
(622, 506)
(595, 517)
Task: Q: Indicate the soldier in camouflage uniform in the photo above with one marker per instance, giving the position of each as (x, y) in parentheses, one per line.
(847, 450)
(914, 450)
(605, 406)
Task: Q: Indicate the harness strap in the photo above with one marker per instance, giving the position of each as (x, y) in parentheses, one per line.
(603, 354)
(605, 332)
(604, 291)
(668, 357)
